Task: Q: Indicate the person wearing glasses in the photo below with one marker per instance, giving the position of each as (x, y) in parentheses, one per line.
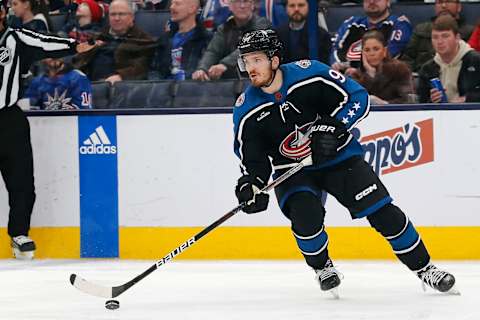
(419, 50)
(124, 50)
(220, 58)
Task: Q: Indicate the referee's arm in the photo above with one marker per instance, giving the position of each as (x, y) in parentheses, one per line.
(45, 46)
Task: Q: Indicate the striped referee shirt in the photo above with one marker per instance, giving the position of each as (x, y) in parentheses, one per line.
(19, 48)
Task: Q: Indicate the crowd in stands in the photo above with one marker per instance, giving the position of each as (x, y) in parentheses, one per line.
(389, 56)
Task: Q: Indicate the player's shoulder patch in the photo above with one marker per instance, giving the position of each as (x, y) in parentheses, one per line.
(304, 64)
(240, 100)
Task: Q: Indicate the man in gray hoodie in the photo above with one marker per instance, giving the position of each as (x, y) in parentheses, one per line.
(455, 63)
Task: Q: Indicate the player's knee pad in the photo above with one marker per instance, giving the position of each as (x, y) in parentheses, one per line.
(395, 226)
(305, 211)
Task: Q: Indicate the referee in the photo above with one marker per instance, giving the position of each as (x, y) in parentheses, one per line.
(19, 48)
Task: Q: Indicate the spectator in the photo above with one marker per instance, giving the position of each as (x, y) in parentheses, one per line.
(32, 15)
(62, 88)
(124, 51)
(271, 10)
(455, 64)
(86, 23)
(474, 41)
(387, 80)
(180, 50)
(294, 34)
(419, 50)
(220, 58)
(215, 13)
(347, 44)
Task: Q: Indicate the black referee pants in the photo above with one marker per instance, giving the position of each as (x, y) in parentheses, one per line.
(16, 166)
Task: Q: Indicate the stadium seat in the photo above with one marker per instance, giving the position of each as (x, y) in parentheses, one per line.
(213, 94)
(58, 21)
(141, 94)
(152, 22)
(101, 95)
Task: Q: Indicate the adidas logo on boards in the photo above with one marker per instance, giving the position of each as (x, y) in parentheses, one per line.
(98, 143)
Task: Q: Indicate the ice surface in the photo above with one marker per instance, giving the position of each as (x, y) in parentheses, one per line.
(227, 290)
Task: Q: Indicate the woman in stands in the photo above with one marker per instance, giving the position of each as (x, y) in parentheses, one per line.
(32, 15)
(387, 80)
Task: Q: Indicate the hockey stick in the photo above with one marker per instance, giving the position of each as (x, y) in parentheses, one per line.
(112, 292)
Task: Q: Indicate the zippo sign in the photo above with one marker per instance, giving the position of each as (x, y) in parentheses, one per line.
(399, 148)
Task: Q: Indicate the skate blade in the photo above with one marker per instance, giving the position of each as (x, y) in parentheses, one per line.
(19, 255)
(334, 293)
(453, 291)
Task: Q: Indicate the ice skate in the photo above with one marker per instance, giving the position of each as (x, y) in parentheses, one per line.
(329, 279)
(23, 247)
(439, 280)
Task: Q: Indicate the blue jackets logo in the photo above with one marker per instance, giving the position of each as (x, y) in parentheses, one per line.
(98, 143)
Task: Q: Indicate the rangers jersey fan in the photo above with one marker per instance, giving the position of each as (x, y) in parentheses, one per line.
(348, 41)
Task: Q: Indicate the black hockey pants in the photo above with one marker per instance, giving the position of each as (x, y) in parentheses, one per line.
(16, 166)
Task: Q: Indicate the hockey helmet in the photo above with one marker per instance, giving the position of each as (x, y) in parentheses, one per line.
(259, 40)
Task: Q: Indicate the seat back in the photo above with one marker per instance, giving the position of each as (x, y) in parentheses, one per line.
(101, 95)
(141, 94)
(152, 22)
(58, 21)
(213, 94)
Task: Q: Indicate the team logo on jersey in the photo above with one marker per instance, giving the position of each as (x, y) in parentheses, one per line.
(354, 52)
(240, 100)
(303, 63)
(296, 145)
(59, 101)
(5, 56)
(399, 148)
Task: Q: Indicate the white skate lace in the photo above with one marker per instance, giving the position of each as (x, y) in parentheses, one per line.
(20, 240)
(432, 277)
(326, 273)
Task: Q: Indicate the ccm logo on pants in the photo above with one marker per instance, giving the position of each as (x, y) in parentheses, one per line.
(366, 192)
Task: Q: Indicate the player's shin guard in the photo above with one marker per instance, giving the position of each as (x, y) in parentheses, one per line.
(399, 231)
(314, 248)
(306, 212)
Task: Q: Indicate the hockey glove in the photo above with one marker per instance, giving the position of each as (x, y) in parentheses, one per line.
(328, 134)
(248, 191)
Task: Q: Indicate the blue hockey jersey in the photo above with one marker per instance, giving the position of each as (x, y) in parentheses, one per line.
(348, 41)
(274, 129)
(71, 90)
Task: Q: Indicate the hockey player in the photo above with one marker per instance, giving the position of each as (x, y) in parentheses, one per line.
(303, 109)
(19, 48)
